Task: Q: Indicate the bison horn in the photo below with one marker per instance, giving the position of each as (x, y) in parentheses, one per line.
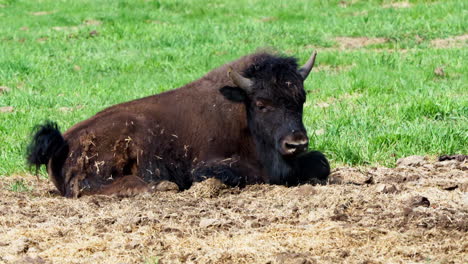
(239, 80)
(305, 70)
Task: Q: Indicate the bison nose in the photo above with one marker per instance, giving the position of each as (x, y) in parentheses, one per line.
(294, 144)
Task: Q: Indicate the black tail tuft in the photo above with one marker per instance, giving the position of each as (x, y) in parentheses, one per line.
(47, 139)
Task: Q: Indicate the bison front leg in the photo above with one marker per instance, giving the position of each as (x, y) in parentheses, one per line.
(226, 170)
(312, 167)
(128, 185)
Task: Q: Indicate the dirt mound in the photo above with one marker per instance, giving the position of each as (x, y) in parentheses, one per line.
(417, 212)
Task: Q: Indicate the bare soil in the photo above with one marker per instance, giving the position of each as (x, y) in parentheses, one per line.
(357, 42)
(397, 5)
(452, 42)
(414, 213)
(349, 43)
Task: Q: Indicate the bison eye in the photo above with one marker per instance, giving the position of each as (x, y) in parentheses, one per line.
(263, 106)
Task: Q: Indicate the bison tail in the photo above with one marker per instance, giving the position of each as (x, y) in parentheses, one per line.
(46, 141)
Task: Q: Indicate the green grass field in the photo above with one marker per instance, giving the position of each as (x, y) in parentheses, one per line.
(67, 60)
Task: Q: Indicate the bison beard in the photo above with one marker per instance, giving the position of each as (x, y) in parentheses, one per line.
(240, 123)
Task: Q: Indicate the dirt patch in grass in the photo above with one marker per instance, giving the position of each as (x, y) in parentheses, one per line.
(6, 109)
(417, 212)
(360, 13)
(42, 13)
(86, 23)
(397, 5)
(72, 28)
(4, 89)
(92, 22)
(66, 109)
(452, 42)
(267, 19)
(334, 100)
(346, 4)
(357, 42)
(333, 69)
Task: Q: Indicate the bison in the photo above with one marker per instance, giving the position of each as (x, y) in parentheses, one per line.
(241, 123)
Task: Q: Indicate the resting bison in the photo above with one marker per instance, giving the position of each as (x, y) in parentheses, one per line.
(240, 123)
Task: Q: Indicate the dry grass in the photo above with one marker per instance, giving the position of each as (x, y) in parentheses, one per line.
(365, 215)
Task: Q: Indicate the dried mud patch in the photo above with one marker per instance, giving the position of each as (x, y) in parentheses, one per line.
(404, 214)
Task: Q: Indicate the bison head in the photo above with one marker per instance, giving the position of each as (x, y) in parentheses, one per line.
(272, 88)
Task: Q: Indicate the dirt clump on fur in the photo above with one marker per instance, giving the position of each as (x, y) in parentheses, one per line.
(414, 213)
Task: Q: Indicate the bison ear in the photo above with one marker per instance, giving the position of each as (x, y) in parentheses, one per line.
(234, 94)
